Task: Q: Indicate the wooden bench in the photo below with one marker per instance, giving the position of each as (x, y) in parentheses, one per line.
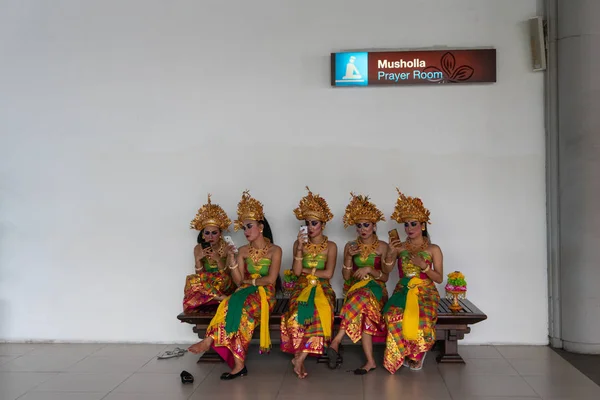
(450, 328)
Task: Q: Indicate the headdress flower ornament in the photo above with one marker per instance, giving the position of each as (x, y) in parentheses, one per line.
(210, 214)
(248, 208)
(313, 206)
(360, 208)
(409, 208)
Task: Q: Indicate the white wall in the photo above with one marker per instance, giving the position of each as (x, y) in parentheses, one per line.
(118, 117)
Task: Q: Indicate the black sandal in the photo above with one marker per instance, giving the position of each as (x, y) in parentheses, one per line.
(226, 376)
(362, 371)
(333, 357)
(186, 377)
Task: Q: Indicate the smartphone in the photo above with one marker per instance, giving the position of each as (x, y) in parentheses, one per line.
(304, 230)
(229, 240)
(394, 235)
(205, 245)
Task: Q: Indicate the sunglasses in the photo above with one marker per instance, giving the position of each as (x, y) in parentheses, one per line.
(363, 225)
(213, 233)
(312, 223)
(411, 223)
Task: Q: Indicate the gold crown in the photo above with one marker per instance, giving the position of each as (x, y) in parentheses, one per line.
(360, 208)
(313, 206)
(409, 208)
(210, 214)
(248, 208)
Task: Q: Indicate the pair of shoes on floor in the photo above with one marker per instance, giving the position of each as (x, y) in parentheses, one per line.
(170, 354)
(226, 376)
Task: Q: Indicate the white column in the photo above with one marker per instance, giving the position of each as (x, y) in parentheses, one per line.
(579, 173)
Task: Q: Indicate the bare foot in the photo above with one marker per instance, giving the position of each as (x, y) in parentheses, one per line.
(369, 366)
(297, 368)
(298, 363)
(201, 347)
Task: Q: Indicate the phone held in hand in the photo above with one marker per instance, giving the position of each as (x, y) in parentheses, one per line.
(205, 245)
(230, 241)
(304, 231)
(394, 235)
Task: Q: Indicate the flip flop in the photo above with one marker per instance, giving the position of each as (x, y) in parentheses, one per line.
(362, 371)
(177, 352)
(186, 377)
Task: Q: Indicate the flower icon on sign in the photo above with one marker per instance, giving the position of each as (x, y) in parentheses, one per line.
(450, 72)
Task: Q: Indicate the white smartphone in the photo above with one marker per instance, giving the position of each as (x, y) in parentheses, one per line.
(229, 240)
(304, 230)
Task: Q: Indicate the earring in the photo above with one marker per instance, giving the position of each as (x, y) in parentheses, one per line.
(261, 231)
(423, 228)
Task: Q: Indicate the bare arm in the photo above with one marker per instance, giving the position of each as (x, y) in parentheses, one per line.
(394, 248)
(347, 267)
(297, 262)
(382, 275)
(237, 273)
(436, 273)
(198, 256)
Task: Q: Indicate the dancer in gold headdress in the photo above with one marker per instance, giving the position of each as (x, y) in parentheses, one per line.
(306, 327)
(364, 286)
(411, 312)
(212, 280)
(255, 272)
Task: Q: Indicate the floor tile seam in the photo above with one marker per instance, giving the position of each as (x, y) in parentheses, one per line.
(200, 383)
(115, 388)
(31, 389)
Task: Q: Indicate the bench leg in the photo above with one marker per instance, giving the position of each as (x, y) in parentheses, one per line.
(449, 352)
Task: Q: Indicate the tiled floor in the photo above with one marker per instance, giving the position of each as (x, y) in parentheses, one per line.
(124, 372)
(589, 364)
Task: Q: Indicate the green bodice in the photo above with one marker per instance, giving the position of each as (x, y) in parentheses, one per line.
(318, 261)
(210, 265)
(262, 267)
(369, 262)
(408, 268)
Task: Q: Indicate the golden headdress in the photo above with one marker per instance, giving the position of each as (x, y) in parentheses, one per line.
(360, 208)
(248, 208)
(409, 208)
(313, 206)
(210, 214)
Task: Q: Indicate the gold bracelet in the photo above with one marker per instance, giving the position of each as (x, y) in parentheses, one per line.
(199, 269)
(234, 266)
(345, 267)
(298, 258)
(254, 282)
(380, 275)
(388, 263)
(427, 269)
